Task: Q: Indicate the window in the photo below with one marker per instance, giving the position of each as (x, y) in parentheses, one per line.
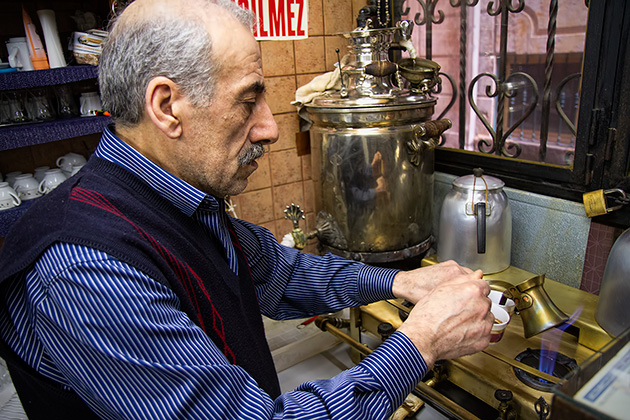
(534, 98)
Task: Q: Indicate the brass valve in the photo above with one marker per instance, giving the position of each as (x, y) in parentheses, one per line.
(295, 214)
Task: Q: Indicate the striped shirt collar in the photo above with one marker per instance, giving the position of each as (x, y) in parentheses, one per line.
(178, 192)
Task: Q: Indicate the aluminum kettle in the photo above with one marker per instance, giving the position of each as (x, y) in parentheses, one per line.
(476, 224)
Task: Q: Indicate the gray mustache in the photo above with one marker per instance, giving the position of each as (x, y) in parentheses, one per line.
(254, 152)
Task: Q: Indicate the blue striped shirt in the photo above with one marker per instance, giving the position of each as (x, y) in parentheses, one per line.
(119, 339)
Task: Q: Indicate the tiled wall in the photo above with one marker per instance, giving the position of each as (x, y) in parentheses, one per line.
(283, 177)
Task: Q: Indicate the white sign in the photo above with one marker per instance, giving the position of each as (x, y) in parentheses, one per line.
(278, 19)
(609, 389)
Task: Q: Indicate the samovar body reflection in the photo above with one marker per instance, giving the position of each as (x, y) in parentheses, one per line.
(372, 146)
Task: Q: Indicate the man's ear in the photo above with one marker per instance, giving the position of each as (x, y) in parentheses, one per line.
(163, 104)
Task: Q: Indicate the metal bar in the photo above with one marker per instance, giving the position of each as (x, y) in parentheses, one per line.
(496, 355)
(325, 325)
(522, 366)
(502, 75)
(546, 102)
(421, 387)
(463, 35)
(428, 17)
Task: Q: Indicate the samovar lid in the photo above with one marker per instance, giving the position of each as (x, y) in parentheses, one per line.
(406, 99)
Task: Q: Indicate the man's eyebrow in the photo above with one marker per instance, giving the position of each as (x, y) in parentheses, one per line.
(256, 87)
(259, 87)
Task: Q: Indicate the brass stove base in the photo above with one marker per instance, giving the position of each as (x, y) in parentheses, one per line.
(483, 373)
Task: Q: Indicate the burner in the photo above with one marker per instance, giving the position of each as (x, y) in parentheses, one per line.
(531, 357)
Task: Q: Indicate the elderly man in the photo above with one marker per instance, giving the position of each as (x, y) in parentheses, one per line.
(129, 293)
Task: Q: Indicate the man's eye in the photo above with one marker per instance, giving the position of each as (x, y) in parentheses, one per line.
(249, 104)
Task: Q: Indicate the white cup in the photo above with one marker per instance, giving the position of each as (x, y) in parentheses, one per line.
(501, 320)
(498, 298)
(18, 54)
(68, 161)
(52, 179)
(26, 187)
(89, 102)
(76, 169)
(11, 177)
(8, 197)
(40, 172)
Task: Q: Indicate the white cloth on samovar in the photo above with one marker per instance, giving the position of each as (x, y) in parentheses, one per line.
(317, 86)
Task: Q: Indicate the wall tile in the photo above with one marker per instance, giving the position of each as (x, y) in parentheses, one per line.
(331, 43)
(315, 18)
(303, 79)
(337, 16)
(284, 195)
(288, 125)
(261, 178)
(306, 167)
(309, 197)
(357, 5)
(256, 206)
(286, 167)
(600, 241)
(309, 55)
(280, 93)
(278, 58)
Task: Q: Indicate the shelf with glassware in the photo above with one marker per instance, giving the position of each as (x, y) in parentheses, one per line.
(31, 133)
(14, 136)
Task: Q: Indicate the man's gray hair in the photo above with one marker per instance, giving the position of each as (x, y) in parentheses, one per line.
(172, 46)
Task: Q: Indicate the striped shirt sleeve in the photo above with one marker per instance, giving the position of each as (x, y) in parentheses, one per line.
(119, 339)
(292, 284)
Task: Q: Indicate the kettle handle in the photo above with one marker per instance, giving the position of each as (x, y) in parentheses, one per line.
(480, 211)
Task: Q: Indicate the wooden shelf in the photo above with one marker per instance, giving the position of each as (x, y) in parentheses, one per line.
(22, 135)
(49, 77)
(15, 136)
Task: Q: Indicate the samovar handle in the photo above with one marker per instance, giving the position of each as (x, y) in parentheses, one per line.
(426, 135)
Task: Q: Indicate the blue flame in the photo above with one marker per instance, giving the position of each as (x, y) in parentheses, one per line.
(550, 341)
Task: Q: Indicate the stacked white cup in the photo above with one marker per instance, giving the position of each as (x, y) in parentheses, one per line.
(27, 187)
(52, 179)
(40, 172)
(69, 161)
(8, 197)
(11, 177)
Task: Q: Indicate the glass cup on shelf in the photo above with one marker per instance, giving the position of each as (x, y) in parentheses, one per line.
(40, 107)
(18, 112)
(5, 114)
(66, 103)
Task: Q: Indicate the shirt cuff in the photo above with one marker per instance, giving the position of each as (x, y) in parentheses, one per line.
(397, 365)
(375, 283)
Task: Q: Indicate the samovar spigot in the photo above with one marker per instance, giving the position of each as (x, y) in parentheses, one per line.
(295, 214)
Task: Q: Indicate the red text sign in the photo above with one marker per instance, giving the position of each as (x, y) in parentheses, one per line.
(278, 19)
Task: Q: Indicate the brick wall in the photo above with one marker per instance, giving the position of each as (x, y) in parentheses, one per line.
(283, 177)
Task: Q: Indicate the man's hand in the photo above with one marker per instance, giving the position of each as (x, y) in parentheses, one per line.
(415, 284)
(453, 319)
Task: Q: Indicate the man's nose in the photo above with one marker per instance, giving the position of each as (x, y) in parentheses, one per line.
(265, 128)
